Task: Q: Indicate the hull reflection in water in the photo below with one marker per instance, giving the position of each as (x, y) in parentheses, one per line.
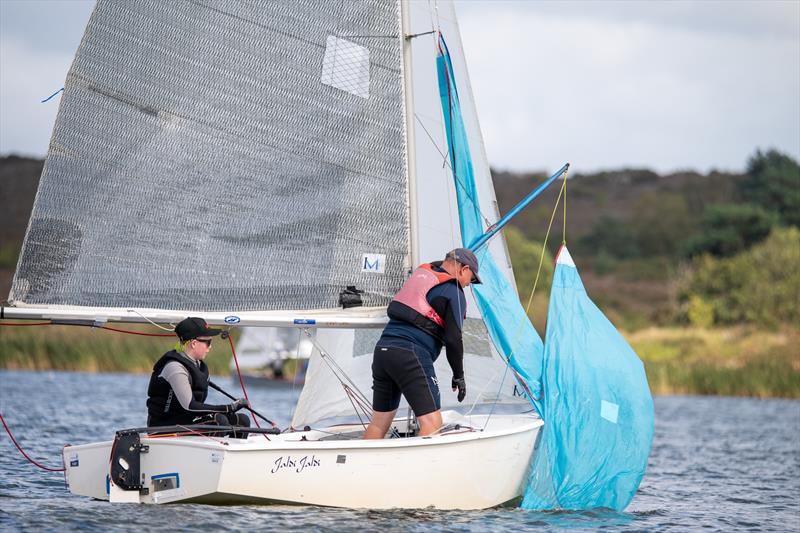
(463, 467)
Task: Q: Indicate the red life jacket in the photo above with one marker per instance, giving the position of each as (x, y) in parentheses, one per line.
(411, 305)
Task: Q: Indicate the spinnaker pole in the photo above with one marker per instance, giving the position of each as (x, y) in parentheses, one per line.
(492, 231)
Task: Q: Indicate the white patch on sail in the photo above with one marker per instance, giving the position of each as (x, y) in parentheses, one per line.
(564, 258)
(375, 263)
(346, 66)
(609, 411)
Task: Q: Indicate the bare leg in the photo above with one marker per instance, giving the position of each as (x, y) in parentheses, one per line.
(429, 423)
(379, 425)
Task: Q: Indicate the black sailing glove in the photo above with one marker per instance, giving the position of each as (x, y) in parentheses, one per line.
(238, 404)
(461, 385)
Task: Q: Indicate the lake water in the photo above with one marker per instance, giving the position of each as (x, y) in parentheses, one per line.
(717, 464)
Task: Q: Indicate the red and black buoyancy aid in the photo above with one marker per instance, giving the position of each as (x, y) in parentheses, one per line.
(411, 305)
(163, 408)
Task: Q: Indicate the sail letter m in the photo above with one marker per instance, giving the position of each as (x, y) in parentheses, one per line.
(373, 263)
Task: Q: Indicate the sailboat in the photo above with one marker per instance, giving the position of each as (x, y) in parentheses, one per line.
(276, 164)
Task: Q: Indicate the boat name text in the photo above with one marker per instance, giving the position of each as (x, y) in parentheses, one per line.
(298, 464)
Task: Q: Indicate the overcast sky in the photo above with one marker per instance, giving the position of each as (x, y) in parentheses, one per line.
(664, 85)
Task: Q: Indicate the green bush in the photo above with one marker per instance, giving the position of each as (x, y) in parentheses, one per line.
(525, 255)
(8, 255)
(610, 237)
(660, 222)
(728, 229)
(758, 286)
(700, 312)
(773, 182)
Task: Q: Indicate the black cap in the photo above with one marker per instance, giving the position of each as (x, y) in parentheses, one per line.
(467, 258)
(193, 327)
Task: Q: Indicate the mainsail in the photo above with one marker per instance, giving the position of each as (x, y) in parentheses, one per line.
(225, 156)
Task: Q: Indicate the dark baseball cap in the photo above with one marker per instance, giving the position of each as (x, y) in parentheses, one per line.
(467, 258)
(193, 327)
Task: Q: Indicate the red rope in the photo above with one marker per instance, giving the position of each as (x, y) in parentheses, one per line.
(109, 328)
(25, 454)
(241, 382)
(137, 332)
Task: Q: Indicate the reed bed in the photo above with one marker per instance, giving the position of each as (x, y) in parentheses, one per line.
(88, 349)
(737, 361)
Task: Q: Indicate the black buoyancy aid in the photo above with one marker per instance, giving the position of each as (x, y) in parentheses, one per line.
(163, 408)
(410, 304)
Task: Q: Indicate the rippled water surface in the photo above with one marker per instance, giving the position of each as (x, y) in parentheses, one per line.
(716, 464)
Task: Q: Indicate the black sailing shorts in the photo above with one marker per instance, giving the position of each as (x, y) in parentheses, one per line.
(396, 369)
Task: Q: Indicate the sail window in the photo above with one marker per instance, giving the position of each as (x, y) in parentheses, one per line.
(346, 66)
(609, 411)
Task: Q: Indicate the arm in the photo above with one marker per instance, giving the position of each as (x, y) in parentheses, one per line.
(451, 308)
(178, 378)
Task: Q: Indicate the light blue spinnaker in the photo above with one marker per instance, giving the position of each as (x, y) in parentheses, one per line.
(595, 401)
(508, 324)
(599, 426)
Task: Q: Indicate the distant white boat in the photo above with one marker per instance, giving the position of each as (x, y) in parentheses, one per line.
(272, 357)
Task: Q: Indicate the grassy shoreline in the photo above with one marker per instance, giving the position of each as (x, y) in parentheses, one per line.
(737, 361)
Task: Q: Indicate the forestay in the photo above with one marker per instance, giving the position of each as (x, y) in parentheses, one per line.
(233, 156)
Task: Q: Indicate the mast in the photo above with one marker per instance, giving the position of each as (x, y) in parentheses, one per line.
(408, 108)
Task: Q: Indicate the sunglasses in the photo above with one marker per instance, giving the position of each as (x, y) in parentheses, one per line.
(207, 342)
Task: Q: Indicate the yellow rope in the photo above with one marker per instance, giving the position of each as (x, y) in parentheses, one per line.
(561, 192)
(544, 245)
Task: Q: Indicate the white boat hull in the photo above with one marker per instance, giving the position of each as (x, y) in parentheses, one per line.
(459, 469)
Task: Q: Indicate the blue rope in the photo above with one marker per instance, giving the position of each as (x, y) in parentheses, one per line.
(52, 95)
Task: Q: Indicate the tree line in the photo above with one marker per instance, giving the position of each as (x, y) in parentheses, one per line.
(725, 248)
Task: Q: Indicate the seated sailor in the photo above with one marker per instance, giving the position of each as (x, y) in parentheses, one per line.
(425, 315)
(179, 383)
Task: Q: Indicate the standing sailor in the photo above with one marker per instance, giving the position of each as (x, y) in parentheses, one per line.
(179, 383)
(426, 314)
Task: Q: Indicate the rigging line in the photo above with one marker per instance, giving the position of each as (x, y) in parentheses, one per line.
(336, 369)
(414, 35)
(293, 404)
(538, 271)
(241, 382)
(564, 232)
(192, 431)
(446, 161)
(25, 454)
(130, 332)
(356, 405)
(477, 397)
(172, 326)
(374, 36)
(497, 398)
